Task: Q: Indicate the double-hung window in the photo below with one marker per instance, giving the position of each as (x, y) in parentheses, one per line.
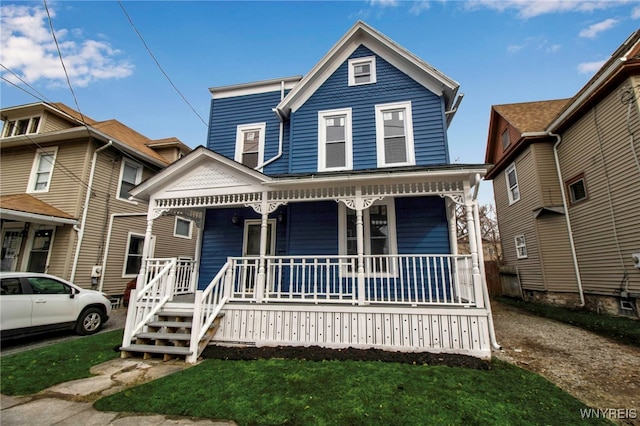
(394, 135)
(511, 178)
(130, 176)
(379, 235)
(334, 140)
(250, 144)
(521, 247)
(362, 71)
(133, 257)
(42, 170)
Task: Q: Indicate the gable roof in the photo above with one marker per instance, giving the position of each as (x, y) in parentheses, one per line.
(529, 117)
(363, 34)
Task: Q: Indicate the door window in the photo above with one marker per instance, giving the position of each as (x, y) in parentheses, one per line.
(11, 242)
(40, 250)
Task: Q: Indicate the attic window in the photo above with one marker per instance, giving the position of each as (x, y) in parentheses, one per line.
(506, 140)
(362, 71)
(21, 126)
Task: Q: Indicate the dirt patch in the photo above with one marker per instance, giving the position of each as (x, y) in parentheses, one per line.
(599, 371)
(316, 353)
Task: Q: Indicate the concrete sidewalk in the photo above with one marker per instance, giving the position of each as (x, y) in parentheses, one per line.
(70, 403)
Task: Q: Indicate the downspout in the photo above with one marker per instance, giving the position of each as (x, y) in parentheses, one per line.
(85, 210)
(281, 135)
(485, 289)
(566, 215)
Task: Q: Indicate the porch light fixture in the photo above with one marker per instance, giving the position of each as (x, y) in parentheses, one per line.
(235, 219)
(281, 217)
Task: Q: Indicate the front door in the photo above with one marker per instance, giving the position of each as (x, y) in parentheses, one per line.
(11, 241)
(251, 249)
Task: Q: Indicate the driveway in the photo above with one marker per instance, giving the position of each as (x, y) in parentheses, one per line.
(600, 372)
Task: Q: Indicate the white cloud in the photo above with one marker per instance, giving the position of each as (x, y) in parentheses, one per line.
(593, 30)
(532, 8)
(590, 67)
(419, 6)
(635, 13)
(554, 48)
(28, 49)
(384, 3)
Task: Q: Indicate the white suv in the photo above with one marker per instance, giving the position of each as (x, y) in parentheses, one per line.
(33, 303)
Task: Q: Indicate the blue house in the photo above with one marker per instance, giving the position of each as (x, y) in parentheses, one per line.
(325, 211)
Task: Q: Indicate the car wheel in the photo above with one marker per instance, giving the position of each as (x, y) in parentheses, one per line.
(90, 321)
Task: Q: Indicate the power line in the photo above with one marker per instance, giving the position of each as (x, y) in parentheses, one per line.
(18, 87)
(42, 97)
(158, 63)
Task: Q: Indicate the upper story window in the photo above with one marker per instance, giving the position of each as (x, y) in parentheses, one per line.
(506, 139)
(250, 144)
(21, 126)
(42, 170)
(394, 135)
(362, 71)
(577, 189)
(130, 176)
(512, 184)
(182, 228)
(334, 140)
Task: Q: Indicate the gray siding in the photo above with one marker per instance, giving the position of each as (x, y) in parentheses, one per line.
(605, 226)
(517, 219)
(53, 123)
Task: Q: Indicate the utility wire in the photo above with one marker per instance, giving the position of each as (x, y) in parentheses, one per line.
(158, 63)
(18, 87)
(42, 97)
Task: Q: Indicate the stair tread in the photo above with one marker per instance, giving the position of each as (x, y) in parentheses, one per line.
(173, 324)
(164, 336)
(172, 350)
(169, 313)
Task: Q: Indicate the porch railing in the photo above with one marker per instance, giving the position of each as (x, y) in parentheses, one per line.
(185, 273)
(391, 279)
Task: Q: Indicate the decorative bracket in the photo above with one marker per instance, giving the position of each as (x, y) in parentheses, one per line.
(159, 212)
(271, 206)
(365, 202)
(456, 198)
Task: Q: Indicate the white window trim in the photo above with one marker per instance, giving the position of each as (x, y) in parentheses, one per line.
(126, 255)
(272, 248)
(380, 109)
(521, 246)
(322, 139)
(140, 168)
(366, 222)
(5, 129)
(240, 140)
(34, 169)
(175, 228)
(506, 178)
(355, 61)
(29, 246)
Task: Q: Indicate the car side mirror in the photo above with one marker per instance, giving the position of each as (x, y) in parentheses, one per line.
(73, 293)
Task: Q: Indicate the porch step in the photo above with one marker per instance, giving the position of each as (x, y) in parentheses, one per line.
(164, 336)
(176, 314)
(171, 324)
(167, 351)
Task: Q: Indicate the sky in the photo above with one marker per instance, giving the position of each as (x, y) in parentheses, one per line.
(150, 64)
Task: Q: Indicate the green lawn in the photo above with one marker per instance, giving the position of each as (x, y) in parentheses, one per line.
(278, 391)
(624, 330)
(32, 371)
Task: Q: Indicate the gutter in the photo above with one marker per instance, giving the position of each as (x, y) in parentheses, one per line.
(452, 112)
(85, 210)
(568, 219)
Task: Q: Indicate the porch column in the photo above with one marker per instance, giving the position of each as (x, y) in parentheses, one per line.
(145, 252)
(360, 245)
(473, 248)
(264, 228)
(453, 226)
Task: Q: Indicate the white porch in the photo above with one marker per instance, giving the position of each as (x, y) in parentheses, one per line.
(398, 302)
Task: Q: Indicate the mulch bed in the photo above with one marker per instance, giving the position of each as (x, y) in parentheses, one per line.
(316, 353)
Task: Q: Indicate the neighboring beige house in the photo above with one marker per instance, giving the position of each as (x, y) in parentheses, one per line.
(566, 180)
(51, 155)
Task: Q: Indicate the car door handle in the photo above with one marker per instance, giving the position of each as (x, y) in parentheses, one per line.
(41, 301)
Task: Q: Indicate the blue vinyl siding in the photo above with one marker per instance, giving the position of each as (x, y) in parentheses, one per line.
(228, 113)
(421, 226)
(313, 228)
(392, 86)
